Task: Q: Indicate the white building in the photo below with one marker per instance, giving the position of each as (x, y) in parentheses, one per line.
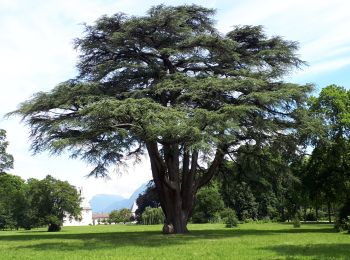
(134, 208)
(86, 213)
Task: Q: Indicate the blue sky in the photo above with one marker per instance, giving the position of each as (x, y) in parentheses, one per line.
(36, 54)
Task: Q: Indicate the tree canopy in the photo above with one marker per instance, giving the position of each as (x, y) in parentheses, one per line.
(52, 200)
(171, 84)
(329, 163)
(6, 160)
(13, 203)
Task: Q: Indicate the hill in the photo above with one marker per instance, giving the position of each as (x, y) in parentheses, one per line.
(105, 203)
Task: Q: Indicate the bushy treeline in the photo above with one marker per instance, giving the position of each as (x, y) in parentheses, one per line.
(36, 203)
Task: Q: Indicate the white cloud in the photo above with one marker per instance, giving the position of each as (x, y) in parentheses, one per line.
(320, 26)
(325, 66)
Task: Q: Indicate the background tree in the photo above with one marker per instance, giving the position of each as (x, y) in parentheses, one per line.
(260, 183)
(13, 202)
(236, 193)
(52, 200)
(152, 216)
(329, 163)
(149, 198)
(170, 84)
(122, 215)
(208, 205)
(6, 160)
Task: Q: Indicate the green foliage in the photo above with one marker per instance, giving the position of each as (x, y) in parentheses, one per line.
(208, 205)
(52, 200)
(343, 217)
(171, 77)
(122, 215)
(239, 196)
(152, 216)
(333, 107)
(6, 160)
(342, 224)
(170, 84)
(55, 223)
(229, 217)
(310, 215)
(147, 199)
(328, 166)
(296, 222)
(261, 183)
(13, 202)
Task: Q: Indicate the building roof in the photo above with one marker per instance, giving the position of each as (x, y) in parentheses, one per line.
(99, 215)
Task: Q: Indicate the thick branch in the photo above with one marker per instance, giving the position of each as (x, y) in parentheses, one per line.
(158, 166)
(208, 175)
(188, 189)
(187, 182)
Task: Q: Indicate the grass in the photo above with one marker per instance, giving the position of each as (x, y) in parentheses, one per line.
(206, 241)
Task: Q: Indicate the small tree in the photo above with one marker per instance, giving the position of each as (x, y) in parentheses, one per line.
(152, 216)
(229, 217)
(52, 200)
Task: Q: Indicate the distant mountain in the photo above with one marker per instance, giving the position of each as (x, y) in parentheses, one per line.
(100, 202)
(106, 203)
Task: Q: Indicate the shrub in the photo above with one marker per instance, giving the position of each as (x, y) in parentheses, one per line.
(343, 217)
(229, 217)
(343, 224)
(296, 222)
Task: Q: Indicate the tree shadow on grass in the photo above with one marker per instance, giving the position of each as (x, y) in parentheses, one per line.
(316, 251)
(98, 241)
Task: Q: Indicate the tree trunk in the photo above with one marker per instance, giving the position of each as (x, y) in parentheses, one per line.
(177, 187)
(176, 206)
(176, 216)
(329, 211)
(53, 227)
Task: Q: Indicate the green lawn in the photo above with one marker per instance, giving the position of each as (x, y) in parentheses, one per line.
(207, 241)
